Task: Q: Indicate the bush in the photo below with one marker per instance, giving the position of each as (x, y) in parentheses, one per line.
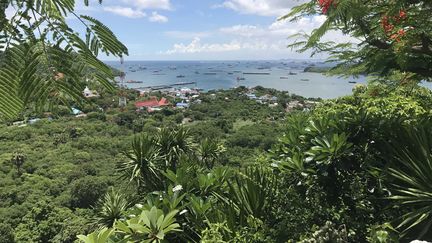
(85, 192)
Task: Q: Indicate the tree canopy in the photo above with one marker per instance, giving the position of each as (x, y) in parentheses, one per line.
(43, 61)
(389, 37)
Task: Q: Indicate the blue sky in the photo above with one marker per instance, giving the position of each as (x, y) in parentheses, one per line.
(201, 29)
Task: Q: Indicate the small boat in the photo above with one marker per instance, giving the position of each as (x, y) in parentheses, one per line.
(239, 78)
(180, 76)
(196, 72)
(230, 73)
(352, 82)
(291, 73)
(210, 73)
(283, 77)
(304, 79)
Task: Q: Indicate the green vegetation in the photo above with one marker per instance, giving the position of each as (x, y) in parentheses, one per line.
(44, 61)
(54, 171)
(229, 168)
(389, 38)
(343, 169)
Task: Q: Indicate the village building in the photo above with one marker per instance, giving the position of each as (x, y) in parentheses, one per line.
(153, 104)
(293, 105)
(78, 113)
(182, 105)
(90, 93)
(251, 96)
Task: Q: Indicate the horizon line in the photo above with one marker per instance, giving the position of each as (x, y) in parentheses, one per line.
(204, 60)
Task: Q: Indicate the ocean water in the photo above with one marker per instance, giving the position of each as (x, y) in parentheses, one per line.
(210, 75)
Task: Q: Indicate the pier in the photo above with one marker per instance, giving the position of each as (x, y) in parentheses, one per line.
(256, 73)
(164, 86)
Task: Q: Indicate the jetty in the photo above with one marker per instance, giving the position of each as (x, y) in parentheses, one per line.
(164, 86)
(256, 73)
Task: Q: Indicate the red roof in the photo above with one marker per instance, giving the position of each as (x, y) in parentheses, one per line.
(163, 102)
(153, 102)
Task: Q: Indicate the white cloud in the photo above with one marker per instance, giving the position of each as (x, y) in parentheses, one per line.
(155, 17)
(253, 39)
(125, 11)
(197, 47)
(276, 31)
(261, 7)
(150, 4)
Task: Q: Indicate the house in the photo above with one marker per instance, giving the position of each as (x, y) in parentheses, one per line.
(251, 96)
(268, 97)
(19, 123)
(33, 121)
(293, 105)
(197, 101)
(182, 105)
(78, 113)
(273, 105)
(75, 111)
(90, 93)
(152, 104)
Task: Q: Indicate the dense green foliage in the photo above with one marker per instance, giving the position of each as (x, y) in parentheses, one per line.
(54, 171)
(229, 168)
(387, 37)
(334, 176)
(43, 62)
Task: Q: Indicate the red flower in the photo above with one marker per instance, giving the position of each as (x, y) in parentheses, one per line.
(402, 14)
(325, 5)
(386, 24)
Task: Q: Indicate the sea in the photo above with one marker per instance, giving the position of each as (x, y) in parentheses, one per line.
(287, 75)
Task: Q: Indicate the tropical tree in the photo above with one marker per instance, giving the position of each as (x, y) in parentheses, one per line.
(173, 144)
(45, 62)
(101, 236)
(143, 165)
(411, 174)
(151, 226)
(18, 160)
(112, 207)
(210, 151)
(249, 194)
(388, 37)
